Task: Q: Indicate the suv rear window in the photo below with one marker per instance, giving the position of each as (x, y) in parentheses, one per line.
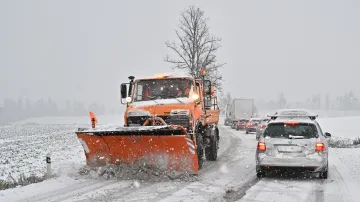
(255, 121)
(281, 130)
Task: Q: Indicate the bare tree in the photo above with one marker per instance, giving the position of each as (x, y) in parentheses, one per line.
(196, 48)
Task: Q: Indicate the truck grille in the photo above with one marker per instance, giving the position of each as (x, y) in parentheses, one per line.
(182, 120)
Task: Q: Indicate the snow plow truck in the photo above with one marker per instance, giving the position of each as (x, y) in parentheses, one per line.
(170, 122)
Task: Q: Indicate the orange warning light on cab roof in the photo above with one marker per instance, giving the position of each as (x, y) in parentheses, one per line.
(162, 75)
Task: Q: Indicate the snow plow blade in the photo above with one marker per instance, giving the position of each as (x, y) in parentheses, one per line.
(165, 147)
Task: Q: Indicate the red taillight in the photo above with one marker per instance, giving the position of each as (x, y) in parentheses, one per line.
(249, 124)
(262, 126)
(319, 147)
(292, 123)
(261, 146)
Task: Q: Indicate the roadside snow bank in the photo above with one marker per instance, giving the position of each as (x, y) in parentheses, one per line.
(341, 142)
(344, 131)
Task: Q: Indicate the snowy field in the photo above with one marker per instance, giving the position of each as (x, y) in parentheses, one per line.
(231, 178)
(24, 146)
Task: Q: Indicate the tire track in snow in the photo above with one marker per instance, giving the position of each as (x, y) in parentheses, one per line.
(209, 180)
(345, 193)
(238, 192)
(241, 191)
(319, 191)
(115, 192)
(228, 144)
(316, 194)
(147, 190)
(212, 181)
(71, 191)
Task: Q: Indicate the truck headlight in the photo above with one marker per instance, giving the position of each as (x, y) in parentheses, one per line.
(195, 96)
(128, 99)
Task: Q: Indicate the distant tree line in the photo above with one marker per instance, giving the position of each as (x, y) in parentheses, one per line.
(348, 101)
(12, 110)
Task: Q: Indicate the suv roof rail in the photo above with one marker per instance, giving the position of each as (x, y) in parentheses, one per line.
(293, 113)
(312, 117)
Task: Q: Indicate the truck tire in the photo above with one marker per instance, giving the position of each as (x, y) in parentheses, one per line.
(212, 150)
(200, 152)
(199, 146)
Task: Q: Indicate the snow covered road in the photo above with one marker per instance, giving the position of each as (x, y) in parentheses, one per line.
(231, 178)
(233, 169)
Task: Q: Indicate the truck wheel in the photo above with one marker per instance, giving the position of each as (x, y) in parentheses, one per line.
(199, 148)
(211, 152)
(200, 151)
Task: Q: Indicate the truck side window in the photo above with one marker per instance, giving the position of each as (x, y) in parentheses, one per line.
(139, 92)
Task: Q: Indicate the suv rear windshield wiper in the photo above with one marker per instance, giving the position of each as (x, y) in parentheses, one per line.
(295, 137)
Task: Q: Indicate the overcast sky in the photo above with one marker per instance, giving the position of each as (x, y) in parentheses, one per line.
(83, 50)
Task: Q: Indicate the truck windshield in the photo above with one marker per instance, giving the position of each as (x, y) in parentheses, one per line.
(162, 89)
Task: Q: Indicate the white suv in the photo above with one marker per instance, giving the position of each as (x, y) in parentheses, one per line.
(293, 140)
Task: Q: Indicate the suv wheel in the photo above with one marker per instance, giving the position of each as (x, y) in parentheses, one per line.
(323, 175)
(260, 174)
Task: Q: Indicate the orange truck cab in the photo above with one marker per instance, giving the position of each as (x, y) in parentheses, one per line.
(175, 100)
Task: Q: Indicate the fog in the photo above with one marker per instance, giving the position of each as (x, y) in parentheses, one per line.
(83, 50)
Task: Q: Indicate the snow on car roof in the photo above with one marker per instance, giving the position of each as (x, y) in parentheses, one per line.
(294, 112)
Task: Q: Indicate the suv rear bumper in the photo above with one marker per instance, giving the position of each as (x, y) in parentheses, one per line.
(317, 163)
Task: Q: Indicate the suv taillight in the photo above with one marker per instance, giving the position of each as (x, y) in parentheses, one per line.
(262, 126)
(319, 147)
(261, 146)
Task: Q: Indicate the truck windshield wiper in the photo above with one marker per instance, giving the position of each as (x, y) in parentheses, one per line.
(153, 99)
(174, 97)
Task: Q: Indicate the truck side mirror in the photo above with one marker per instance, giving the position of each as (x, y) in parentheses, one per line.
(123, 91)
(207, 87)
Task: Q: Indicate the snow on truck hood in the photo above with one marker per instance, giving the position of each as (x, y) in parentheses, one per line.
(162, 101)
